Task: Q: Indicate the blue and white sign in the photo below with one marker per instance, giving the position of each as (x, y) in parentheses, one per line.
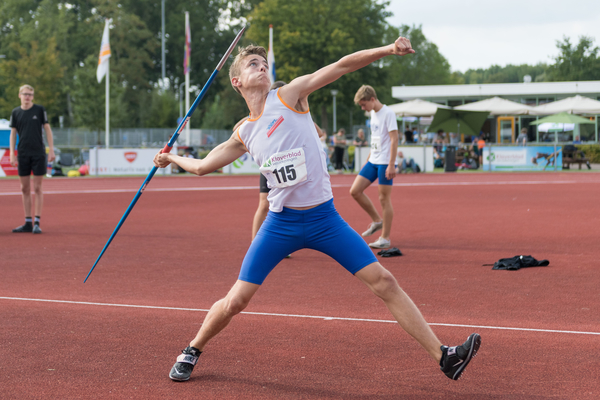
(534, 158)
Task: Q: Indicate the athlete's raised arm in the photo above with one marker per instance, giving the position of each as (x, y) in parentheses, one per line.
(302, 86)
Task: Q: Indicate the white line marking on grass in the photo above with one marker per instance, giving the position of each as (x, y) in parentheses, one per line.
(217, 188)
(300, 316)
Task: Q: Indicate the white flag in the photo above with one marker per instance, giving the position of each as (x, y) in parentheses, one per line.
(271, 56)
(104, 54)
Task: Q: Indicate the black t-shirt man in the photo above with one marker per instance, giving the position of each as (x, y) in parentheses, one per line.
(29, 125)
(27, 121)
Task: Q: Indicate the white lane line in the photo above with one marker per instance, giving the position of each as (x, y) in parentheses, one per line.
(301, 316)
(216, 188)
(188, 189)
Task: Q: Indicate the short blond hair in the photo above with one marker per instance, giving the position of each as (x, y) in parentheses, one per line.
(236, 68)
(26, 87)
(365, 92)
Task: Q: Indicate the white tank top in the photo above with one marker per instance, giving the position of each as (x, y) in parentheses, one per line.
(286, 146)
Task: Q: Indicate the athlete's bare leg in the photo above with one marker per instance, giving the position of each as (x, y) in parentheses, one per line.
(385, 286)
(385, 198)
(357, 192)
(261, 213)
(223, 311)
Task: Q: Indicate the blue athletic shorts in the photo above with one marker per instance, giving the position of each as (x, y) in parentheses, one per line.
(373, 171)
(320, 228)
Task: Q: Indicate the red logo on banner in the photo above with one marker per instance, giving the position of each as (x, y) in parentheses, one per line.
(130, 156)
(5, 163)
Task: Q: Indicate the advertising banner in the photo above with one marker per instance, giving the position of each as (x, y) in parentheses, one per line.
(532, 158)
(5, 168)
(243, 165)
(123, 161)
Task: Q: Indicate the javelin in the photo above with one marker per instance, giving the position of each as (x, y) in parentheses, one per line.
(170, 144)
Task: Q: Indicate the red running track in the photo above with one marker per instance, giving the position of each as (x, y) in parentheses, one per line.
(312, 331)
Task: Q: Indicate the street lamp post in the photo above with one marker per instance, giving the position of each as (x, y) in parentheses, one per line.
(334, 93)
(162, 20)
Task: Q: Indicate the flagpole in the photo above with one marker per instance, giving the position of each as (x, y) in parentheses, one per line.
(107, 105)
(187, 80)
(271, 56)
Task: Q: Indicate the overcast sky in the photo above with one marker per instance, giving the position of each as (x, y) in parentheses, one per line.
(481, 33)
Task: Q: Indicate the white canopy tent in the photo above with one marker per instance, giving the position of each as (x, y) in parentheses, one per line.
(416, 108)
(498, 106)
(572, 105)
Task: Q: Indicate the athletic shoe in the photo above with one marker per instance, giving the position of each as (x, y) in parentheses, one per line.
(37, 229)
(23, 228)
(184, 366)
(381, 243)
(455, 359)
(374, 227)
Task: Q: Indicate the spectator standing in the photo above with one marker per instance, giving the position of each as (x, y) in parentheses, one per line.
(454, 140)
(339, 143)
(408, 136)
(430, 137)
(360, 140)
(27, 121)
(441, 136)
(480, 146)
(522, 138)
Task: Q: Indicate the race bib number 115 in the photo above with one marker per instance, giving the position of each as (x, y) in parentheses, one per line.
(286, 168)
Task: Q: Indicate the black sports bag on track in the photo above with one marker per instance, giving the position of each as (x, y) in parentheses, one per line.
(518, 262)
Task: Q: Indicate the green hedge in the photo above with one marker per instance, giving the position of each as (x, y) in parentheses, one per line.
(592, 151)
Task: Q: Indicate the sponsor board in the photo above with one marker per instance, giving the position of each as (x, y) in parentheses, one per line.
(5, 168)
(123, 161)
(243, 165)
(531, 158)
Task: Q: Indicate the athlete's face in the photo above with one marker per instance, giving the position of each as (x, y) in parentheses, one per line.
(367, 105)
(255, 71)
(26, 97)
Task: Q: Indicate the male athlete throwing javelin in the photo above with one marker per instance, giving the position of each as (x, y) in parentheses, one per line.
(281, 136)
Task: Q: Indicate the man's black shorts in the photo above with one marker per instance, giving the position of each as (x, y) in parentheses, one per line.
(263, 184)
(32, 163)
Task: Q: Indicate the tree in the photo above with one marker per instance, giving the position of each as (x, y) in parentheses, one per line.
(37, 67)
(88, 99)
(508, 74)
(575, 63)
(426, 67)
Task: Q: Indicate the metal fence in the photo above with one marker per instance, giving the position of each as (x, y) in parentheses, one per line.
(136, 138)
